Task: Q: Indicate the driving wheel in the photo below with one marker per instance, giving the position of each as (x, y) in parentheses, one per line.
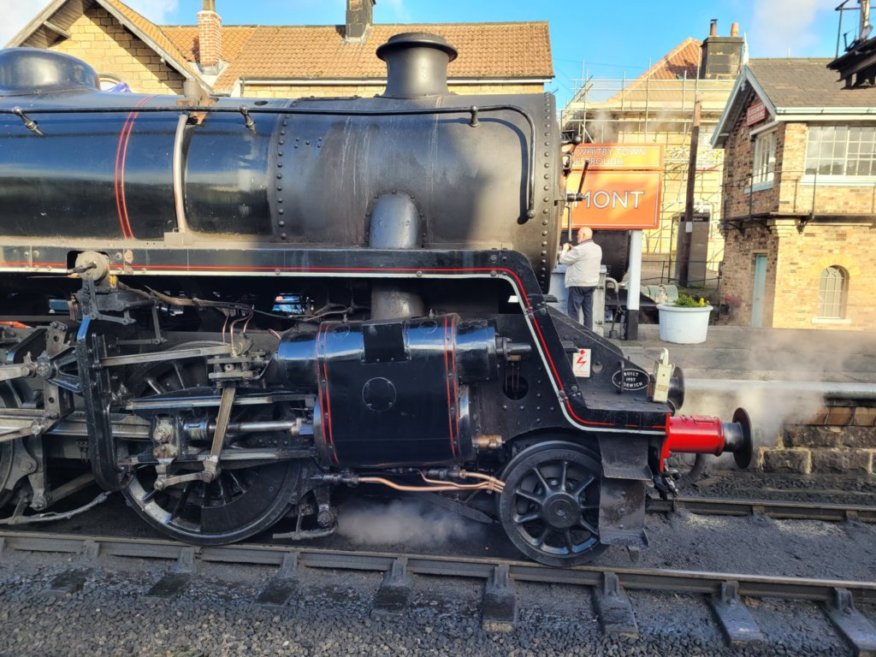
(240, 502)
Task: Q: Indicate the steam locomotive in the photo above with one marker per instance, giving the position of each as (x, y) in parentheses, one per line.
(227, 309)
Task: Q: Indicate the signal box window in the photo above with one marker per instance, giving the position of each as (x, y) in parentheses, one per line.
(838, 150)
(764, 160)
(832, 291)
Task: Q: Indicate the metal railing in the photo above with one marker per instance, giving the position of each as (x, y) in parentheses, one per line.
(798, 192)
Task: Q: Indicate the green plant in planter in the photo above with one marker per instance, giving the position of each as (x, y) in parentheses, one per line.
(687, 301)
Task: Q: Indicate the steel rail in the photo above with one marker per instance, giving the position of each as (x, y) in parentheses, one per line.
(675, 581)
(770, 508)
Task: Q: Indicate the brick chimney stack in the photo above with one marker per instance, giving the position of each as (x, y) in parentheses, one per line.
(209, 38)
(360, 14)
(722, 55)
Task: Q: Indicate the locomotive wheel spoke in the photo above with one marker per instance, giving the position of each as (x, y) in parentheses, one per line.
(567, 539)
(529, 517)
(532, 497)
(181, 500)
(543, 536)
(152, 383)
(581, 487)
(179, 375)
(548, 507)
(586, 525)
(547, 487)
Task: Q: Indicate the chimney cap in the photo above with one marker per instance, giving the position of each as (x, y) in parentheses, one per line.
(416, 40)
(209, 5)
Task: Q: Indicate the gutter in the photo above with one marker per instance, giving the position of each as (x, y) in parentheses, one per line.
(381, 82)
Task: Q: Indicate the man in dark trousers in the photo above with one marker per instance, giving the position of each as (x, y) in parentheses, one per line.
(582, 274)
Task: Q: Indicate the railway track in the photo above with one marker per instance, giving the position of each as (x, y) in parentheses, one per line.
(768, 508)
(610, 588)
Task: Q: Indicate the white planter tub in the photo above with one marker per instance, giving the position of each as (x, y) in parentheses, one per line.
(684, 325)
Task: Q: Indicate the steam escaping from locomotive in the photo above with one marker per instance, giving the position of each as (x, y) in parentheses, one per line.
(267, 300)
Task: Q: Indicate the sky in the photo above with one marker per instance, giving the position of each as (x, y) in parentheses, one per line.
(599, 38)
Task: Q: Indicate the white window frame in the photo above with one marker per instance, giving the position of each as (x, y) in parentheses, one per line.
(763, 169)
(833, 282)
(851, 150)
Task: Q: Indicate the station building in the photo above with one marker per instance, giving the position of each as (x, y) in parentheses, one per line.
(284, 61)
(799, 202)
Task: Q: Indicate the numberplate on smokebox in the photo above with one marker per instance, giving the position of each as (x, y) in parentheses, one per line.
(581, 364)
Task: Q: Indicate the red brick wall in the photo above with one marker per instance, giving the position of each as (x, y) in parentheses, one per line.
(737, 278)
(209, 38)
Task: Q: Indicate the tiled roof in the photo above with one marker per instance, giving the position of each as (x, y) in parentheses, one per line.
(680, 62)
(153, 32)
(291, 52)
(791, 83)
(185, 38)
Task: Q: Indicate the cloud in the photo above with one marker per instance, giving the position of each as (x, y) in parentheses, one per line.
(780, 27)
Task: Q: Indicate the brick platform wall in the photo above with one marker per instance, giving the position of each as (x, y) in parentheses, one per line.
(822, 450)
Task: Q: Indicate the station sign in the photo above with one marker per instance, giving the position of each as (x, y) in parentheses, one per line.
(621, 187)
(618, 156)
(756, 113)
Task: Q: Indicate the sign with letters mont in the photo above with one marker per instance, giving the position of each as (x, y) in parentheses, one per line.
(621, 187)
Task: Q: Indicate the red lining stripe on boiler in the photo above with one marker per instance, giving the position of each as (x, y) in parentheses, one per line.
(119, 172)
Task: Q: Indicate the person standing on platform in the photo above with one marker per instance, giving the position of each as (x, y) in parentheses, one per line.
(582, 274)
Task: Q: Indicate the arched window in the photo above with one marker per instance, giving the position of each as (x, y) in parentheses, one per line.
(832, 291)
(112, 83)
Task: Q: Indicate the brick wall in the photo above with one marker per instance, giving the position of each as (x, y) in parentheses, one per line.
(100, 40)
(209, 39)
(797, 249)
(737, 279)
(789, 193)
(801, 259)
(738, 161)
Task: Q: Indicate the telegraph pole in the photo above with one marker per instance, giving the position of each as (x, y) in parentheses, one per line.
(686, 230)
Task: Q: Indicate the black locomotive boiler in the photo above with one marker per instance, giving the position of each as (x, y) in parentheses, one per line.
(226, 309)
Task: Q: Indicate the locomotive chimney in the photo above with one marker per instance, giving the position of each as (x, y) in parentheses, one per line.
(209, 38)
(416, 64)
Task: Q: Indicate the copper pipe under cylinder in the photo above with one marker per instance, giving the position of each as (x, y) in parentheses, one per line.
(446, 488)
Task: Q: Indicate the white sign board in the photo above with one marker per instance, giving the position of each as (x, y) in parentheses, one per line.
(581, 364)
